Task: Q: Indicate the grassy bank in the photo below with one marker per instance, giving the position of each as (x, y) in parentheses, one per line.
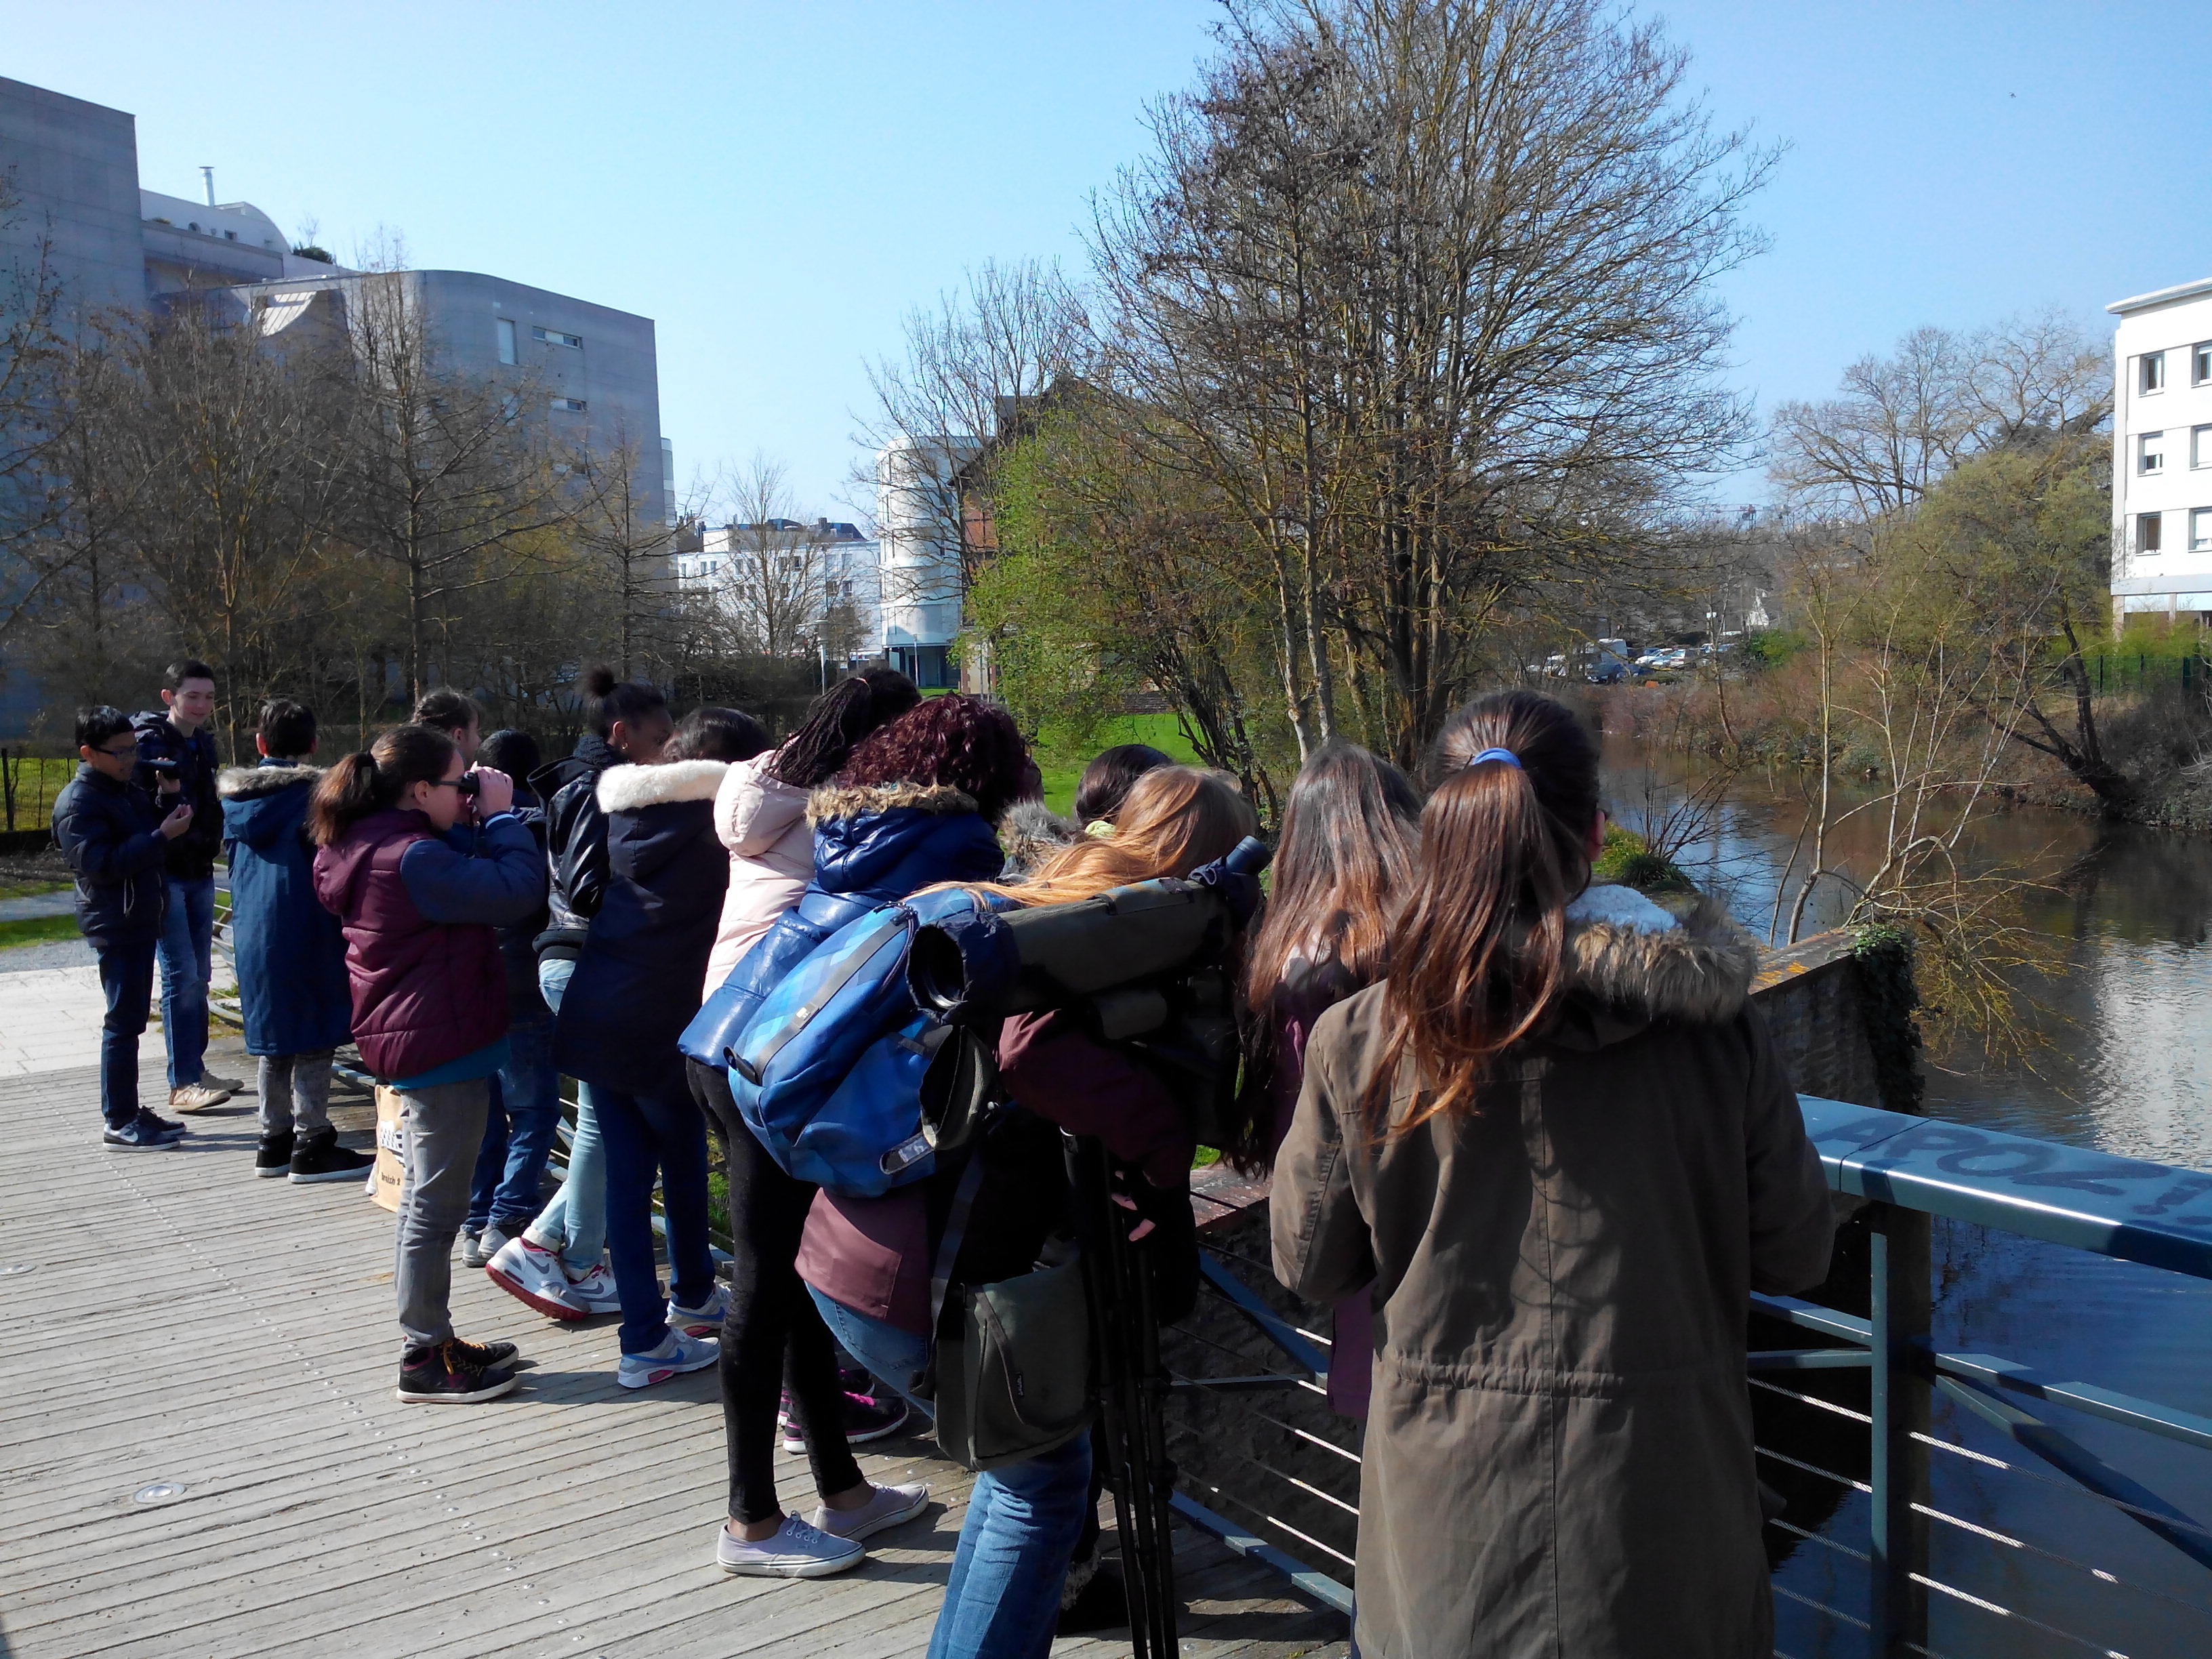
(1063, 768)
(37, 930)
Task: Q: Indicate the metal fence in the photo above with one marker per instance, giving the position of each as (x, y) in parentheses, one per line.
(1881, 1424)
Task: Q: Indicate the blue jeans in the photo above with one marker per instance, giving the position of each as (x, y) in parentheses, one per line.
(1002, 1598)
(526, 1111)
(574, 1222)
(187, 956)
(645, 1134)
(126, 975)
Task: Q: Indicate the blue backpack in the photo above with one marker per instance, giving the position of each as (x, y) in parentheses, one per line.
(832, 1070)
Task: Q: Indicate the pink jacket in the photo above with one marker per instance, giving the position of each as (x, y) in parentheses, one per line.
(763, 822)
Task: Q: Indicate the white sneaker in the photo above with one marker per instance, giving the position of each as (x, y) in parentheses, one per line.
(796, 1550)
(676, 1353)
(196, 1098)
(887, 1506)
(595, 1289)
(704, 1320)
(532, 1274)
(478, 1249)
(229, 1086)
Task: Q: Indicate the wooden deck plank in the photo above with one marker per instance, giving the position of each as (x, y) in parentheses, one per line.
(243, 1331)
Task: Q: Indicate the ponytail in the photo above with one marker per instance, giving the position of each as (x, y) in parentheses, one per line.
(607, 700)
(1479, 960)
(841, 717)
(373, 780)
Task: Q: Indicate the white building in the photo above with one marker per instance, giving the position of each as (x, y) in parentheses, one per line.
(2162, 453)
(812, 566)
(918, 521)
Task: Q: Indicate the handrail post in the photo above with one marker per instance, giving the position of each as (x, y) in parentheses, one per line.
(1898, 1606)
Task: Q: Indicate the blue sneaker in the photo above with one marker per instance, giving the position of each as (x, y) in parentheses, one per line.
(676, 1353)
(704, 1320)
(136, 1137)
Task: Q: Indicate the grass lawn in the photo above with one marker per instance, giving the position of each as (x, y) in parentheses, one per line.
(37, 782)
(37, 930)
(1063, 771)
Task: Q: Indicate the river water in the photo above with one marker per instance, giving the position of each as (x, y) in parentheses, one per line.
(2124, 1066)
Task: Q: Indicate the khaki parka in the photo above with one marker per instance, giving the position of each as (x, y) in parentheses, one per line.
(1559, 1458)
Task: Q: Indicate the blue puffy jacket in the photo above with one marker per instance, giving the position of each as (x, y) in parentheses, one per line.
(291, 951)
(873, 843)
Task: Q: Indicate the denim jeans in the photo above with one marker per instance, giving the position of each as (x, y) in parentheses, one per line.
(645, 1134)
(575, 1222)
(1002, 1600)
(187, 956)
(518, 1133)
(126, 975)
(443, 1126)
(295, 1093)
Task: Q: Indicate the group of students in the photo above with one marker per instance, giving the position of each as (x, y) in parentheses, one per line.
(1525, 1134)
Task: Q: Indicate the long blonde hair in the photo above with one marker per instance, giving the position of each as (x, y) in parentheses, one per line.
(1176, 819)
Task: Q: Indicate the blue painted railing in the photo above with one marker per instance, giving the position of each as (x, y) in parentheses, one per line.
(1909, 1170)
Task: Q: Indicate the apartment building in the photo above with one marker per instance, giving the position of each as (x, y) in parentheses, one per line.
(2162, 454)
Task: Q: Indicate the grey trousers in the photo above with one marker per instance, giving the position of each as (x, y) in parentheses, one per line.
(444, 1129)
(295, 1092)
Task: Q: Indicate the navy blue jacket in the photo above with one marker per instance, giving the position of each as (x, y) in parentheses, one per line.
(289, 950)
(636, 979)
(872, 844)
(111, 833)
(191, 856)
(575, 838)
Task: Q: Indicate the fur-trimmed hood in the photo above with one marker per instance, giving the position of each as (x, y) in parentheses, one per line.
(246, 783)
(627, 788)
(1032, 832)
(1638, 963)
(847, 801)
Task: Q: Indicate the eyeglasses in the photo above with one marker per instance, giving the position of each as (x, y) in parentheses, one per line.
(120, 754)
(464, 783)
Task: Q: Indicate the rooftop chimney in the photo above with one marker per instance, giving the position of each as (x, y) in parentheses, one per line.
(208, 173)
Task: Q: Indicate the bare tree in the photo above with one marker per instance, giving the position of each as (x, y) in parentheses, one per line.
(1422, 291)
(1900, 424)
(34, 420)
(449, 471)
(625, 547)
(772, 590)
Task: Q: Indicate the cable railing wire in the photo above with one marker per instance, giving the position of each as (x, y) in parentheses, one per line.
(1998, 1610)
(2099, 1573)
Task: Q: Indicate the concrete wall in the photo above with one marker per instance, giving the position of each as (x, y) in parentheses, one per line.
(76, 166)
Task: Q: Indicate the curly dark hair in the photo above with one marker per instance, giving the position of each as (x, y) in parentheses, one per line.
(956, 740)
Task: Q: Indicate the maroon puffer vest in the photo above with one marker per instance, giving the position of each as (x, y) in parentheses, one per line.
(423, 992)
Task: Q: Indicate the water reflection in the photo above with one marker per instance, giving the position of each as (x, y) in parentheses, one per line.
(2127, 1069)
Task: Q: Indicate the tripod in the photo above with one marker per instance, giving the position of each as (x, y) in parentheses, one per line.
(1117, 1283)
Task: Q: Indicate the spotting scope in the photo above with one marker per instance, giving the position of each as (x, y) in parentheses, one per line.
(1113, 953)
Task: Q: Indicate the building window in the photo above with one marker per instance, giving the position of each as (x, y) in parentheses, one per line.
(2200, 445)
(569, 405)
(2151, 376)
(555, 336)
(506, 351)
(2200, 363)
(2147, 533)
(2200, 529)
(2150, 452)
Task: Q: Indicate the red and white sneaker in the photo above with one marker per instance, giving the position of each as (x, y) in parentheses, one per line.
(532, 1273)
(676, 1353)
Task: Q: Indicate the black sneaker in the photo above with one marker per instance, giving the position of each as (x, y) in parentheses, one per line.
(136, 1137)
(448, 1374)
(320, 1157)
(273, 1158)
(166, 1128)
(486, 1354)
(1101, 1602)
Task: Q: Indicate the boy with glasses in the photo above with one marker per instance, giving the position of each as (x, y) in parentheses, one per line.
(116, 838)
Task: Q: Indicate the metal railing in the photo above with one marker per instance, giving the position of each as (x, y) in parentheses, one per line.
(1906, 1171)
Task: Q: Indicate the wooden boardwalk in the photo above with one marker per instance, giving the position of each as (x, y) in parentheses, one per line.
(173, 1323)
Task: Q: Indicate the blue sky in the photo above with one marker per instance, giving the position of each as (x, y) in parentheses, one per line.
(776, 183)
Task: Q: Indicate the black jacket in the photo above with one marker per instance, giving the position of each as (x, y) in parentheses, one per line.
(191, 856)
(576, 843)
(111, 834)
(636, 982)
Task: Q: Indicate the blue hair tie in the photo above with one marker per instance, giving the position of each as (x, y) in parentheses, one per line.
(1505, 755)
